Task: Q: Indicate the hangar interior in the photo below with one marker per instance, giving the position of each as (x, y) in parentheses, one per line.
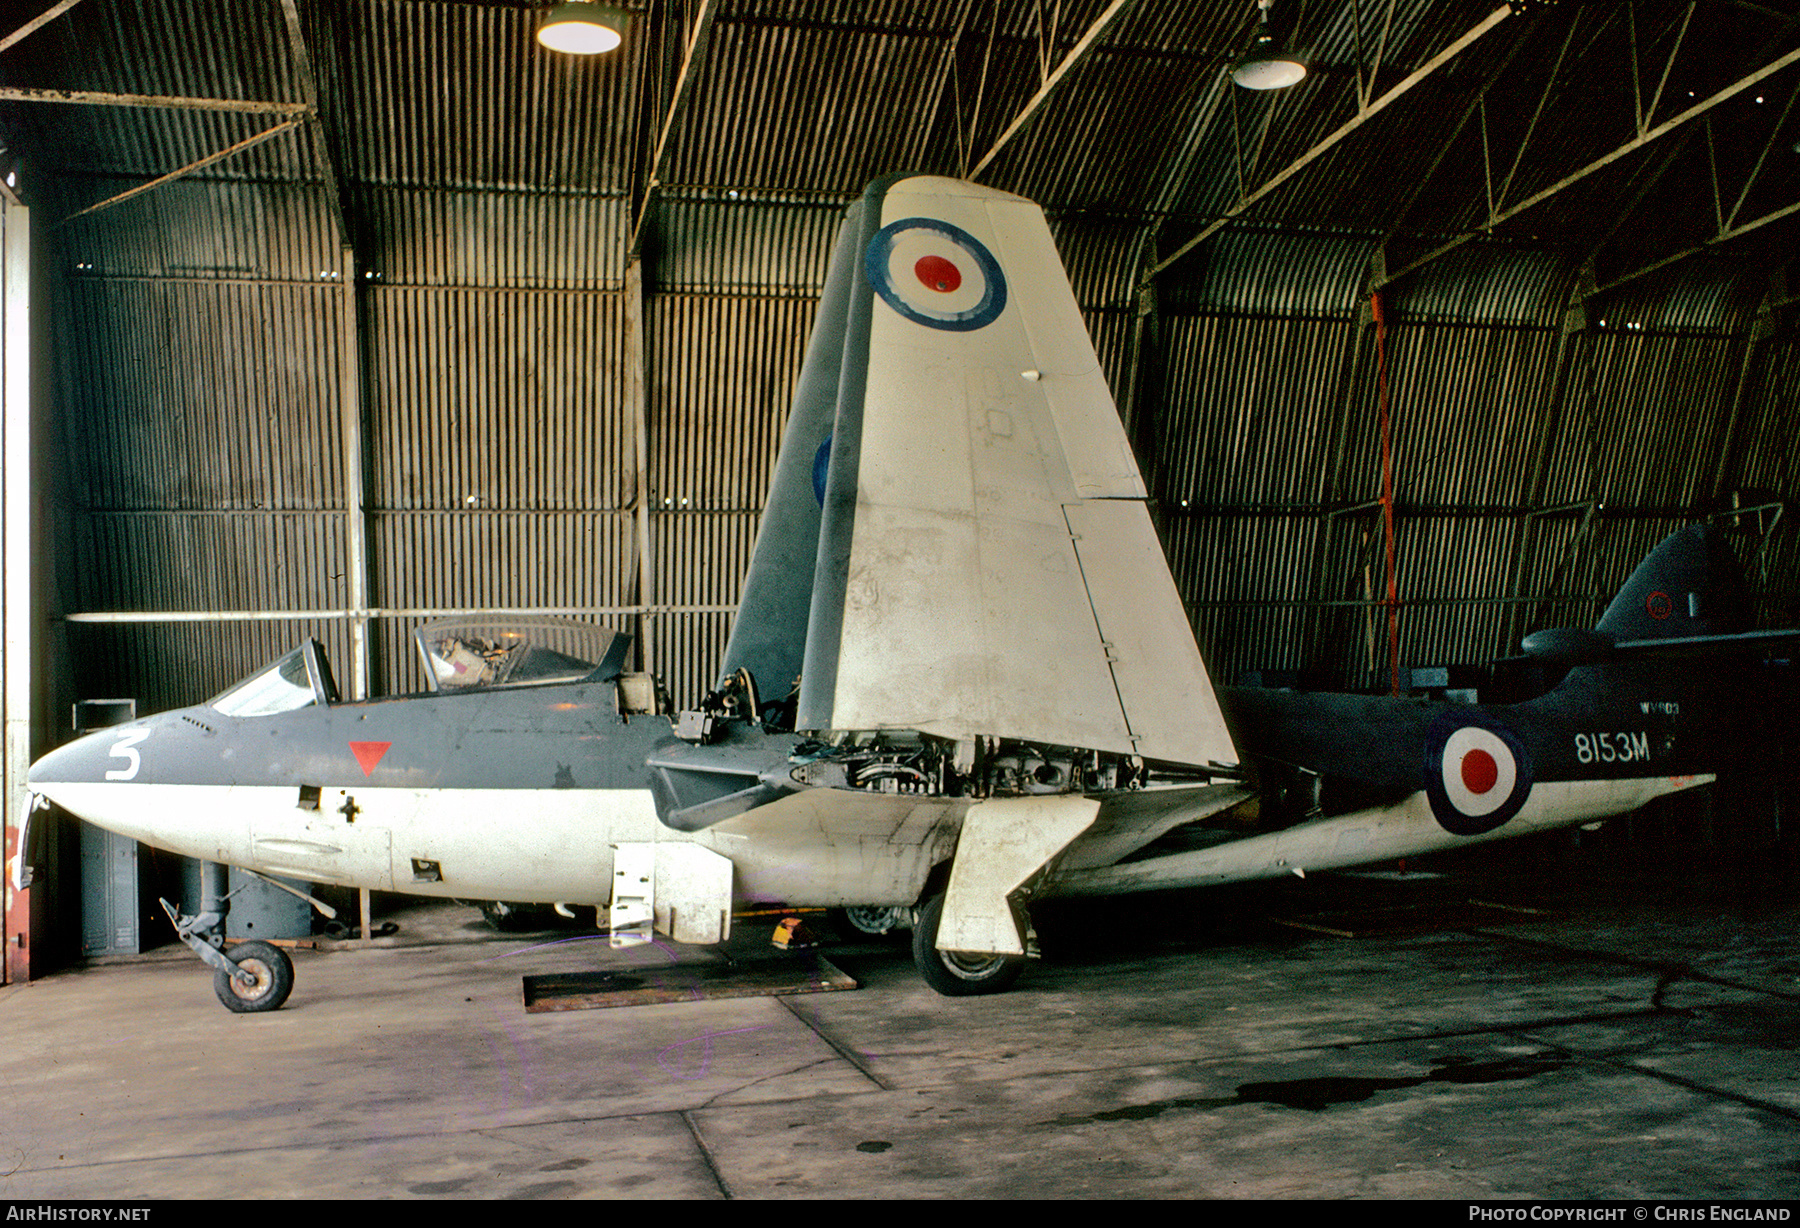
(328, 318)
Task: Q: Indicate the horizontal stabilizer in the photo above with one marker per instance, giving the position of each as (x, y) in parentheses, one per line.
(1686, 598)
(1706, 645)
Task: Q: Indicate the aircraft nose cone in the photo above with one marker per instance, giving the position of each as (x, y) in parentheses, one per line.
(80, 761)
(106, 756)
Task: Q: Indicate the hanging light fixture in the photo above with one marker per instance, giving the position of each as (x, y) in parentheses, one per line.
(583, 29)
(1266, 64)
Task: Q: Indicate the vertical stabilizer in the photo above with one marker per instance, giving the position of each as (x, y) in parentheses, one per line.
(769, 635)
(1690, 585)
(985, 564)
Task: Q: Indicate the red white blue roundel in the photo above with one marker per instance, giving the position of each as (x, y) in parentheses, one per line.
(1477, 773)
(936, 274)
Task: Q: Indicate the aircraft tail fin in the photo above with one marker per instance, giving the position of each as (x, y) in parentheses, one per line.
(769, 635)
(1690, 585)
(982, 560)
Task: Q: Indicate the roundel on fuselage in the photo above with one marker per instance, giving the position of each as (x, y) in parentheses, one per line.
(1477, 773)
(936, 274)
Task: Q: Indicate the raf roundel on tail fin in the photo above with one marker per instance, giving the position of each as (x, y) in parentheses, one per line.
(936, 274)
(1690, 585)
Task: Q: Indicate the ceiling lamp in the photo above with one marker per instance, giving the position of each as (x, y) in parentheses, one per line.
(1267, 64)
(583, 29)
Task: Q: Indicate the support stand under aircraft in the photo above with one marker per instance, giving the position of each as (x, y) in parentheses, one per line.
(999, 696)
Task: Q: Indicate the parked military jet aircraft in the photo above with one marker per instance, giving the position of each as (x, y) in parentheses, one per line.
(999, 697)
(1668, 690)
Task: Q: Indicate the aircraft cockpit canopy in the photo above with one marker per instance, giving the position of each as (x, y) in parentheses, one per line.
(301, 678)
(464, 655)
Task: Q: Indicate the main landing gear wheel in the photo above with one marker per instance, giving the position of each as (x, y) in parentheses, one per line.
(869, 920)
(274, 979)
(959, 974)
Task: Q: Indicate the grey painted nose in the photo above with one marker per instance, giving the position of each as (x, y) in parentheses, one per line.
(110, 754)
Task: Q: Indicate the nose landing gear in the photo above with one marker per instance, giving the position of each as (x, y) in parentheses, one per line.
(254, 977)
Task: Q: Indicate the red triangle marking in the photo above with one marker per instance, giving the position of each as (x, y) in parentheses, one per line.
(369, 754)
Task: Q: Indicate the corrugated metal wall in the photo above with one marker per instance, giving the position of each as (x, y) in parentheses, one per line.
(204, 439)
(1266, 428)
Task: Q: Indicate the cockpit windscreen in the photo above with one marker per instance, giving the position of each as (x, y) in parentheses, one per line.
(282, 687)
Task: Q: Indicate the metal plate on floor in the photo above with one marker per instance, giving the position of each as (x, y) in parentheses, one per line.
(587, 991)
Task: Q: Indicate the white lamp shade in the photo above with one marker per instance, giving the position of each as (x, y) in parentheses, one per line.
(582, 29)
(1274, 74)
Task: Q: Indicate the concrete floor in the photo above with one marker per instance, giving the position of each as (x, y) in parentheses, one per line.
(1628, 1045)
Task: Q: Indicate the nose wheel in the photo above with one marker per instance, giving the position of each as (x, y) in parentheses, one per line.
(252, 977)
(261, 979)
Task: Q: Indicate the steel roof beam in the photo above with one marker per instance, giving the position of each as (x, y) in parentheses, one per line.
(1363, 116)
(1499, 197)
(1638, 142)
(1763, 157)
(199, 164)
(1035, 104)
(684, 86)
(315, 127)
(1627, 210)
(44, 18)
(1475, 105)
(96, 98)
(1365, 91)
(952, 81)
(1724, 235)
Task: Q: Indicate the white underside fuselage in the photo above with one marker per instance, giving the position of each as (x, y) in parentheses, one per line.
(1407, 829)
(814, 848)
(817, 847)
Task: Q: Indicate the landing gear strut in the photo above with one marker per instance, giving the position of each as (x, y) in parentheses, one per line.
(255, 977)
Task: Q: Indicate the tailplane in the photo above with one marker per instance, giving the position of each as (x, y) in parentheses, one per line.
(1688, 597)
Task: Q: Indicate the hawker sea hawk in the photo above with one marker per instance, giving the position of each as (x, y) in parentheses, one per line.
(960, 680)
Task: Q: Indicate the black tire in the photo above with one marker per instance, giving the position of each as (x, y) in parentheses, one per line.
(862, 923)
(955, 975)
(274, 973)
